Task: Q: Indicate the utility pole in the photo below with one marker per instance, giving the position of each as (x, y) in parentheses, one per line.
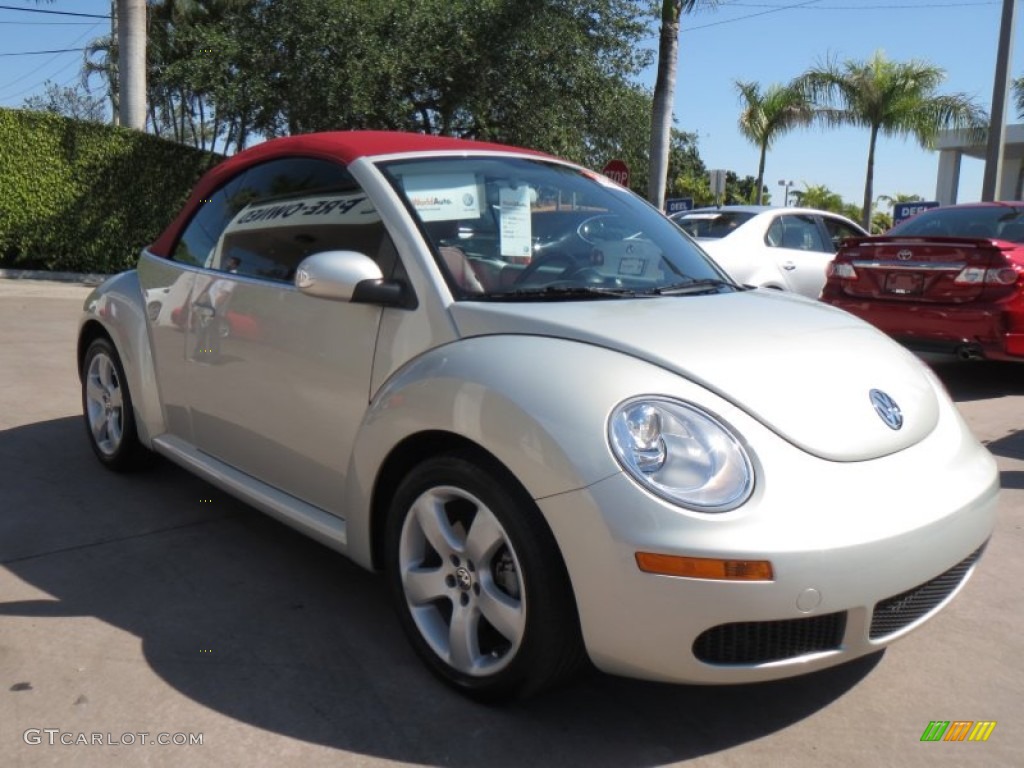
(131, 58)
(993, 179)
(115, 99)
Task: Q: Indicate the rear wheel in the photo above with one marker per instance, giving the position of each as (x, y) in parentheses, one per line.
(107, 406)
(478, 582)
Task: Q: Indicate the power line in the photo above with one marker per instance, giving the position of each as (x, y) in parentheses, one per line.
(40, 53)
(34, 86)
(772, 9)
(52, 23)
(55, 13)
(806, 6)
(6, 95)
(881, 6)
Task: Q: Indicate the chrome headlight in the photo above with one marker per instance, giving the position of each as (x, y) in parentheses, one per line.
(681, 453)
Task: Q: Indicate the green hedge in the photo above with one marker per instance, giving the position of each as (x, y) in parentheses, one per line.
(82, 197)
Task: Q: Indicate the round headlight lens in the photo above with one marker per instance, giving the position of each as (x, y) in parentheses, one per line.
(681, 453)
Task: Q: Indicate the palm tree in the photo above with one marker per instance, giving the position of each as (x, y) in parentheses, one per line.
(889, 98)
(101, 59)
(899, 197)
(818, 196)
(664, 92)
(768, 115)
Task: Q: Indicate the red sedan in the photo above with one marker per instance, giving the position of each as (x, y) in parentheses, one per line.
(946, 280)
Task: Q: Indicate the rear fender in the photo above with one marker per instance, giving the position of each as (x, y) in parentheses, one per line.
(117, 309)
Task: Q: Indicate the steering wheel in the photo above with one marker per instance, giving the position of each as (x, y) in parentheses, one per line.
(547, 260)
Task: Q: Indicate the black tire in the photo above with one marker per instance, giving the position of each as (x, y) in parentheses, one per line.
(500, 578)
(108, 411)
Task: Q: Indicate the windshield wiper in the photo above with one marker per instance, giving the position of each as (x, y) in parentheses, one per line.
(690, 287)
(556, 293)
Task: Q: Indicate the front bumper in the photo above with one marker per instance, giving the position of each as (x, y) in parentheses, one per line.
(888, 541)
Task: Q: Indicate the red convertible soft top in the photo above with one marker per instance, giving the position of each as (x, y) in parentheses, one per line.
(342, 146)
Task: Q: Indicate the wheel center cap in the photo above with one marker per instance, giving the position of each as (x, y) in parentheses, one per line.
(463, 578)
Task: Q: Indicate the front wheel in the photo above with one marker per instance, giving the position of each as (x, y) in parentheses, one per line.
(478, 582)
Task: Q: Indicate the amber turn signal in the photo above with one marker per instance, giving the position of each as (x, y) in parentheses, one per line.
(705, 567)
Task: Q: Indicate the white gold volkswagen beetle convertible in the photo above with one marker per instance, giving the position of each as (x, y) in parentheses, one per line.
(556, 426)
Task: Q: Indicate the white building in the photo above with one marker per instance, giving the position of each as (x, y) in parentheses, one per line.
(953, 146)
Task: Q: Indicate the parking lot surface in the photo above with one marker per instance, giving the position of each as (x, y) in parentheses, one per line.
(153, 608)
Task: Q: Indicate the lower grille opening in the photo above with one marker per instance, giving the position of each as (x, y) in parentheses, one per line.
(899, 611)
(752, 642)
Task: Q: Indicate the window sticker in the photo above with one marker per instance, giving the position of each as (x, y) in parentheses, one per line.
(516, 236)
(443, 197)
(317, 209)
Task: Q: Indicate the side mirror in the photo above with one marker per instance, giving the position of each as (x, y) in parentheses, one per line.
(347, 276)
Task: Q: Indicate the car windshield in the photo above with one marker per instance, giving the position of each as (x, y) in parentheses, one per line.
(997, 221)
(508, 228)
(711, 224)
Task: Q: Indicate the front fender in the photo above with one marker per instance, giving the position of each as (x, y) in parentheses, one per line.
(539, 405)
(119, 308)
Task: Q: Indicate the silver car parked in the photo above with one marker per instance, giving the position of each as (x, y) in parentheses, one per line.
(524, 395)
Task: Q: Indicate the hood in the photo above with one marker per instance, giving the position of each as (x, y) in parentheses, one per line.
(804, 369)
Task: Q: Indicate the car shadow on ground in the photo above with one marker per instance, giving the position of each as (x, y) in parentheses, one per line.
(978, 380)
(260, 624)
(1010, 446)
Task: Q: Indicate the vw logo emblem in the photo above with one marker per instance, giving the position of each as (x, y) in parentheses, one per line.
(904, 255)
(463, 578)
(886, 409)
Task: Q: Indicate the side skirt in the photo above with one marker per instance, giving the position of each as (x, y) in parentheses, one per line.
(310, 520)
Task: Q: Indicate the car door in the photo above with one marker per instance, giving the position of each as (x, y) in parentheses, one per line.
(278, 381)
(800, 252)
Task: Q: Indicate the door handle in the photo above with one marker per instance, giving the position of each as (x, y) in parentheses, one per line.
(788, 265)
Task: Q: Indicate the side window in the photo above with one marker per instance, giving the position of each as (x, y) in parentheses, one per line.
(269, 239)
(796, 231)
(295, 184)
(839, 231)
(200, 236)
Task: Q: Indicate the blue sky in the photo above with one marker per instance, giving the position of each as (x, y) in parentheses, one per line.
(768, 41)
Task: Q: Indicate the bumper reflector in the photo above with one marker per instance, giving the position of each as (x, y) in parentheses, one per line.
(705, 567)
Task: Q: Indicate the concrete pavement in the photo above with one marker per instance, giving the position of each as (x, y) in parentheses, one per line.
(154, 604)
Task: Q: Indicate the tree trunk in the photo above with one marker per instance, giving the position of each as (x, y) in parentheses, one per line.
(869, 181)
(243, 131)
(202, 122)
(131, 39)
(664, 93)
(760, 173)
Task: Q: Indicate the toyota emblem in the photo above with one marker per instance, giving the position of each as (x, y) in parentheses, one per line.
(904, 255)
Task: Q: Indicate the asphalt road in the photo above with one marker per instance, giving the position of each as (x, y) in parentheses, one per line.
(154, 604)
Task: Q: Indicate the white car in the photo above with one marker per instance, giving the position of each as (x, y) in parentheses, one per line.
(528, 399)
(782, 248)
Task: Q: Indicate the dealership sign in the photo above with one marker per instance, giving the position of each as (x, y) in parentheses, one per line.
(903, 211)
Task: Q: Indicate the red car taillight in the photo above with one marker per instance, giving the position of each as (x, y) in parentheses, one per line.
(996, 276)
(841, 269)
